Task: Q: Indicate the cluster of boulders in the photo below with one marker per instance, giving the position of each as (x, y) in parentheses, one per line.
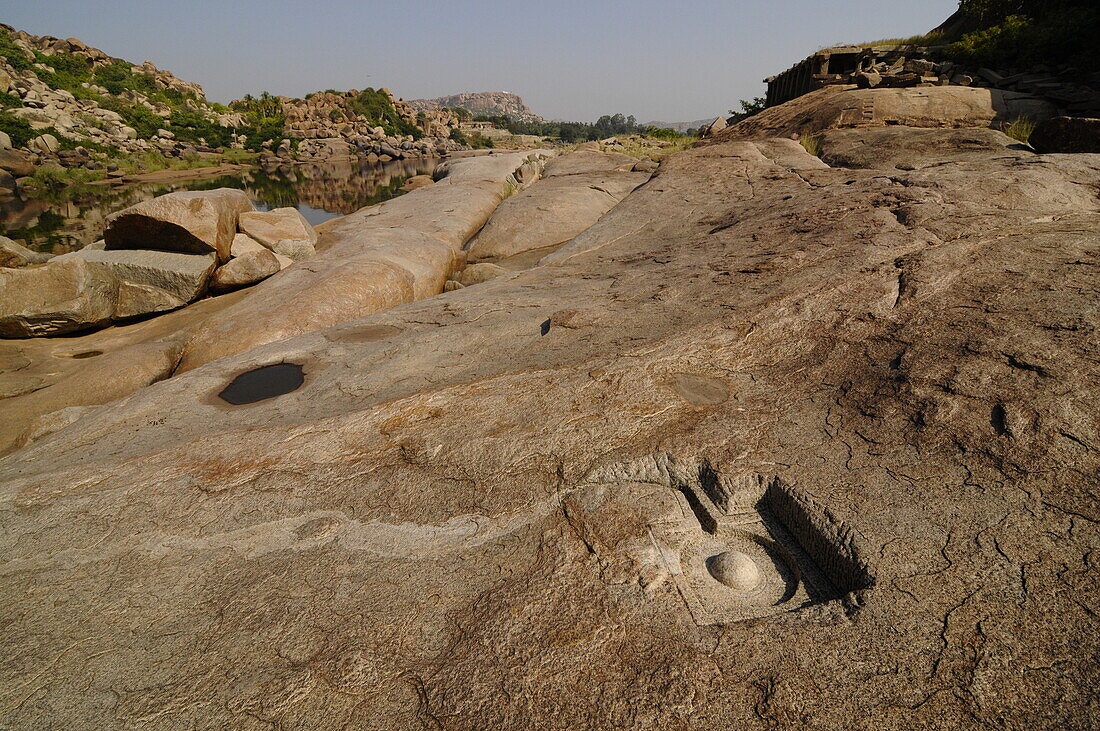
(331, 114)
(377, 147)
(156, 256)
(325, 125)
(621, 142)
(84, 119)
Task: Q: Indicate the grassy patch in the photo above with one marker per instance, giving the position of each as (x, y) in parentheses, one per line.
(20, 131)
(1019, 129)
(927, 39)
(50, 176)
(812, 143)
(9, 101)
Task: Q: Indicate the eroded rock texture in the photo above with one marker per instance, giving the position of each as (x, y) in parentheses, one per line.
(534, 502)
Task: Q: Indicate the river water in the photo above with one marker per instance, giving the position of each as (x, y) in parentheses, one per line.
(67, 220)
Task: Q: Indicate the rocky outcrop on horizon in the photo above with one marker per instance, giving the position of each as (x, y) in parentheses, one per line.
(489, 103)
(681, 127)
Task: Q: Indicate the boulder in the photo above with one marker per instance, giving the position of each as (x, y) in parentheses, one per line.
(1067, 134)
(44, 143)
(244, 244)
(280, 224)
(715, 127)
(194, 222)
(241, 271)
(417, 181)
(15, 162)
(13, 254)
(868, 79)
(550, 212)
(645, 165)
(158, 280)
(5, 141)
(57, 298)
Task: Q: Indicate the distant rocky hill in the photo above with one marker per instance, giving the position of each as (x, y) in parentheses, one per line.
(490, 103)
(55, 91)
(62, 101)
(682, 126)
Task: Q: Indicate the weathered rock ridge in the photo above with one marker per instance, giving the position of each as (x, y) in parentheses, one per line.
(772, 444)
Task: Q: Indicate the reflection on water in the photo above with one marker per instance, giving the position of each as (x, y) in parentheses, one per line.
(75, 218)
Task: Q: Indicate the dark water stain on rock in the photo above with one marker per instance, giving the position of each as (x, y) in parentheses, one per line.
(700, 390)
(81, 355)
(263, 383)
(364, 334)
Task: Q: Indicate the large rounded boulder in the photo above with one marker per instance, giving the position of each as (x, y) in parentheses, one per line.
(193, 222)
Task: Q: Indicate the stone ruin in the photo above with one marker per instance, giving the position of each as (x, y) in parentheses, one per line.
(907, 65)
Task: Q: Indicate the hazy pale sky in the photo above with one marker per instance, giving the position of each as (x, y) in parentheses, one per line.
(655, 59)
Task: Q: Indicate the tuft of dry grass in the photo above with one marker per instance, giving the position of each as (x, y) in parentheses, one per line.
(1019, 129)
(812, 143)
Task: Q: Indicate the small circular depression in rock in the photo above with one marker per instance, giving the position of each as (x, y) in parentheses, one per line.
(363, 334)
(263, 383)
(82, 354)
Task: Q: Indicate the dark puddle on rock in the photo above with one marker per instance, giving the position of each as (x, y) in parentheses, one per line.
(81, 355)
(263, 383)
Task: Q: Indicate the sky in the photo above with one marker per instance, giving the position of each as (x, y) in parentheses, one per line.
(657, 60)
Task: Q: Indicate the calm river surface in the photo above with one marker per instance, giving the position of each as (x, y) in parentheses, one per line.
(68, 220)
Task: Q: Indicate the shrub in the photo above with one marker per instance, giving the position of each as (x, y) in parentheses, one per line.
(9, 101)
(663, 133)
(478, 141)
(15, 55)
(752, 106)
(458, 136)
(19, 131)
(379, 111)
(1023, 33)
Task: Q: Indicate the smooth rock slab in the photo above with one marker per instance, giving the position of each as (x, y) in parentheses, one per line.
(195, 222)
(550, 212)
